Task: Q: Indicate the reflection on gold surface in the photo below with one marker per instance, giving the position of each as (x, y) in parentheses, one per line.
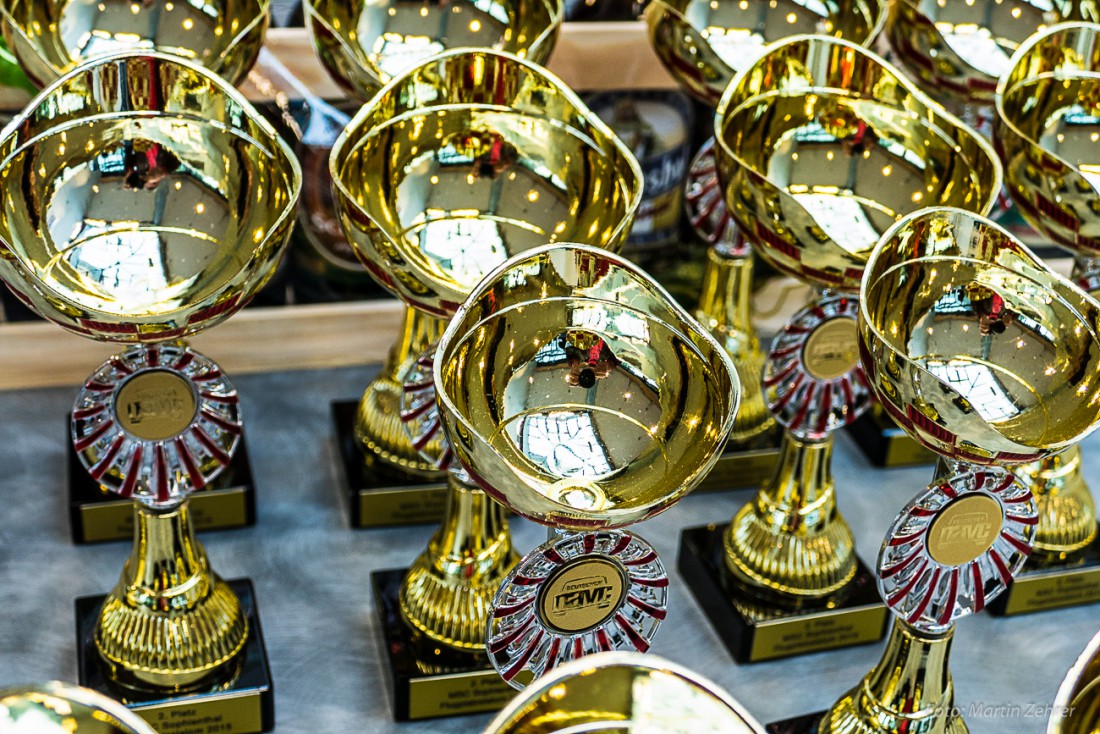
(62, 708)
(1076, 708)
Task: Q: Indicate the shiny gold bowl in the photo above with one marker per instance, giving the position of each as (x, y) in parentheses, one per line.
(1048, 122)
(979, 350)
(461, 163)
(62, 708)
(363, 45)
(1076, 708)
(822, 145)
(153, 200)
(704, 43)
(52, 37)
(578, 394)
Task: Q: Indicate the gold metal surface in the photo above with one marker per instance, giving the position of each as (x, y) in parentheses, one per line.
(822, 145)
(156, 405)
(1067, 511)
(964, 530)
(831, 349)
(171, 624)
(986, 354)
(364, 45)
(582, 594)
(623, 693)
(155, 200)
(909, 690)
(52, 37)
(704, 43)
(62, 708)
(581, 394)
(1076, 708)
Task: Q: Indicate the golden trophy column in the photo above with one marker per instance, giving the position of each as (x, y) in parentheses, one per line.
(158, 202)
(814, 175)
(1048, 162)
(364, 45)
(485, 155)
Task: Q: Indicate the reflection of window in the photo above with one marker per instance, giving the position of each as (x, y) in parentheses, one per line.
(466, 248)
(564, 443)
(842, 218)
(129, 264)
(978, 384)
(494, 10)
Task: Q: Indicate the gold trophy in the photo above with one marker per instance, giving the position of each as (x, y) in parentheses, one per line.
(821, 145)
(576, 392)
(156, 202)
(704, 45)
(49, 38)
(989, 358)
(624, 692)
(62, 708)
(364, 45)
(1076, 708)
(1044, 130)
(483, 155)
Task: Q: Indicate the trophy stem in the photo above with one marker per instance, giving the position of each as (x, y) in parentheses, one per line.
(378, 425)
(725, 309)
(448, 592)
(1067, 512)
(171, 625)
(909, 690)
(790, 542)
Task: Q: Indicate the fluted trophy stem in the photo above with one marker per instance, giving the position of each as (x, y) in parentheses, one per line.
(171, 625)
(725, 309)
(448, 591)
(1067, 512)
(378, 427)
(791, 540)
(909, 690)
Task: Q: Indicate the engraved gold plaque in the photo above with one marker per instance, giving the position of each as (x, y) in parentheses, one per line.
(156, 405)
(832, 349)
(582, 594)
(964, 530)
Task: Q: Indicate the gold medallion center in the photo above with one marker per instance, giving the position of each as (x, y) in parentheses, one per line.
(964, 530)
(156, 405)
(831, 349)
(582, 594)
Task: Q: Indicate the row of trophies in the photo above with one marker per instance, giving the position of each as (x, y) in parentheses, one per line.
(145, 200)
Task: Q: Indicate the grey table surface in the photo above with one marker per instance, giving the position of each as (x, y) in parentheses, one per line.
(312, 577)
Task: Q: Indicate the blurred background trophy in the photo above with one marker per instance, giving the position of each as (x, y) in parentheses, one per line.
(627, 692)
(575, 391)
(989, 358)
(364, 45)
(132, 232)
(1046, 130)
(452, 168)
(703, 45)
(62, 708)
(821, 145)
(1076, 708)
(49, 38)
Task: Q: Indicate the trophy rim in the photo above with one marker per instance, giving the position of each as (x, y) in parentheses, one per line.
(345, 143)
(1063, 699)
(8, 21)
(614, 518)
(997, 168)
(277, 146)
(87, 697)
(635, 661)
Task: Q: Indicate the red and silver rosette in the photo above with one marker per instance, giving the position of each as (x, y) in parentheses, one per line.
(420, 412)
(706, 206)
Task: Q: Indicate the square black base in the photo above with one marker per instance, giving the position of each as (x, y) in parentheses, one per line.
(247, 706)
(798, 725)
(738, 468)
(884, 443)
(1039, 588)
(427, 681)
(96, 515)
(754, 631)
(377, 498)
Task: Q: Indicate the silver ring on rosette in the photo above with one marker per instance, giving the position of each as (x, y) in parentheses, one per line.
(420, 412)
(813, 379)
(576, 596)
(956, 546)
(156, 423)
(705, 205)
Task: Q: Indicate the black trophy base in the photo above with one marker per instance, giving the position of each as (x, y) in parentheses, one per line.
(798, 725)
(425, 680)
(754, 631)
(377, 498)
(244, 706)
(1039, 588)
(96, 515)
(885, 444)
(739, 468)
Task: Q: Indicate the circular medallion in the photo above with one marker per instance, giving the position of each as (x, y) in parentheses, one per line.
(813, 380)
(575, 596)
(156, 423)
(420, 413)
(956, 547)
(706, 206)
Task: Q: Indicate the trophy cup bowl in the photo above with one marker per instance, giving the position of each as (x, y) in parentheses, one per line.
(137, 171)
(364, 45)
(627, 693)
(62, 708)
(1076, 707)
(52, 37)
